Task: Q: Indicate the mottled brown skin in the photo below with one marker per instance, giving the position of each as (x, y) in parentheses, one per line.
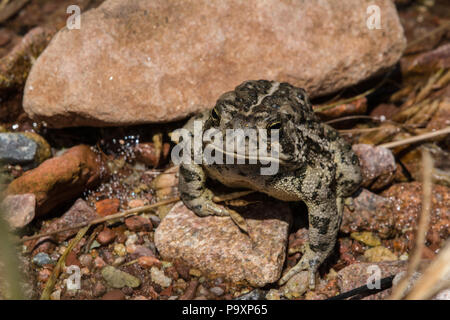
(316, 165)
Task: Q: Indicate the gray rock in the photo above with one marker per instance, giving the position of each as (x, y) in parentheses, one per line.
(16, 148)
(42, 259)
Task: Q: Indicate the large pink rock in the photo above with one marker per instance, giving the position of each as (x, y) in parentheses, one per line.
(216, 246)
(145, 61)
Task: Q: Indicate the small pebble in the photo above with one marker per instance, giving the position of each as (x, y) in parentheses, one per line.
(195, 272)
(148, 262)
(42, 259)
(217, 291)
(120, 250)
(56, 295)
(114, 295)
(106, 236)
(160, 278)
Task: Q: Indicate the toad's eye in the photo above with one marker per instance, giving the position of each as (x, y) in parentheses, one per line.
(276, 125)
(215, 115)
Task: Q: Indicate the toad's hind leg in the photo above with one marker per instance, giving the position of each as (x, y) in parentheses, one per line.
(324, 222)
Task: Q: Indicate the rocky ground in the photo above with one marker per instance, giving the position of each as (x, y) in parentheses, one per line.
(85, 123)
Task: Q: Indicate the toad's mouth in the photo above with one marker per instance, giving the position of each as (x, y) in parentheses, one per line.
(254, 158)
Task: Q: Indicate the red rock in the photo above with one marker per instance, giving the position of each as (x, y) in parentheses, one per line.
(99, 263)
(167, 291)
(148, 262)
(59, 179)
(136, 203)
(80, 212)
(72, 259)
(179, 57)
(189, 294)
(141, 251)
(107, 207)
(114, 295)
(106, 236)
(147, 154)
(377, 165)
(138, 223)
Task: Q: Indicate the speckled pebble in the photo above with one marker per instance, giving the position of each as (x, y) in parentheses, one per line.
(42, 259)
(217, 291)
(160, 278)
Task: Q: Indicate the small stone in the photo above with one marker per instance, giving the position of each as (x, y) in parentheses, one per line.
(379, 254)
(273, 294)
(120, 250)
(118, 261)
(195, 272)
(443, 295)
(99, 289)
(79, 213)
(148, 262)
(256, 294)
(131, 240)
(56, 295)
(135, 203)
(119, 279)
(42, 259)
(160, 278)
(114, 295)
(217, 291)
(138, 223)
(190, 291)
(107, 207)
(106, 236)
(86, 260)
(368, 238)
(141, 251)
(72, 259)
(155, 220)
(377, 165)
(19, 210)
(296, 286)
(99, 263)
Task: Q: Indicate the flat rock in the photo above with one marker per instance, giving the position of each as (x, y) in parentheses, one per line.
(147, 61)
(216, 246)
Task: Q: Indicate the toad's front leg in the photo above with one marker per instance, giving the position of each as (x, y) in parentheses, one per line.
(324, 221)
(194, 193)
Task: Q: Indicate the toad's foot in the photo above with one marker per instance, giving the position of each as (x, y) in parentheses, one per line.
(310, 261)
